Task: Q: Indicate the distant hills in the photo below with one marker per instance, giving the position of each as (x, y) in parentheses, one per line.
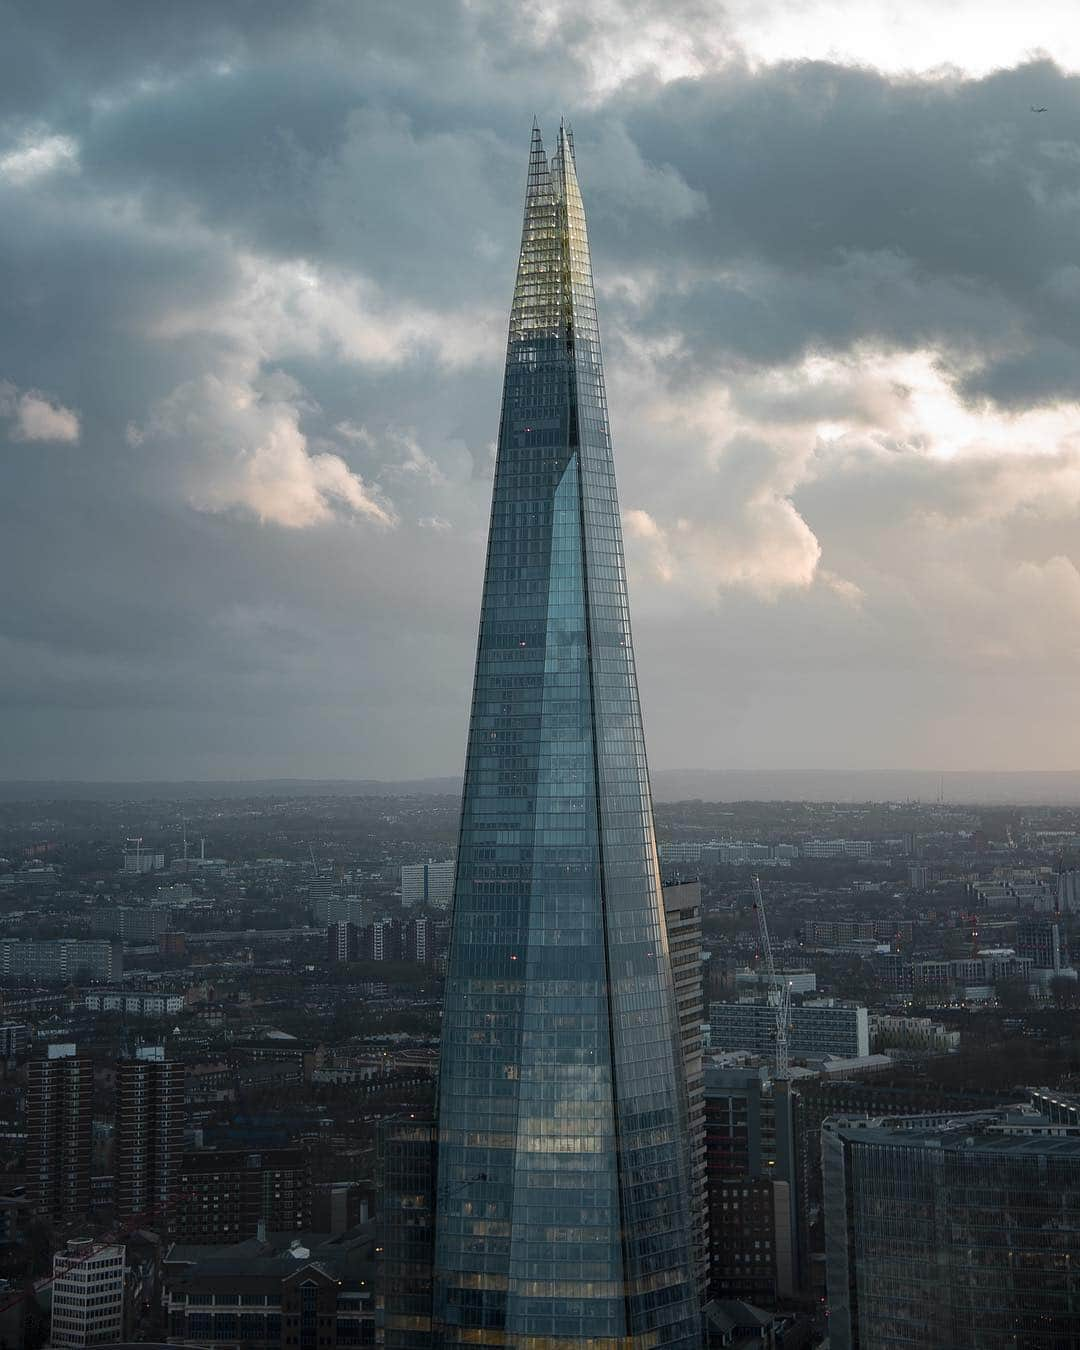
(1029, 787)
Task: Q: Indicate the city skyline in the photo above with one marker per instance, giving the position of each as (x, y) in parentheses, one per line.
(250, 345)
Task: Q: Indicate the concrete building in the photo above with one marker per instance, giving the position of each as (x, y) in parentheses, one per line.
(60, 961)
(842, 932)
(798, 981)
(87, 1295)
(430, 883)
(921, 1034)
(959, 1233)
(1040, 939)
(682, 915)
(756, 1237)
(225, 1194)
(311, 1291)
(407, 1151)
(14, 1039)
(678, 851)
(381, 941)
(133, 1005)
(837, 848)
(819, 1028)
(343, 941)
(138, 860)
(131, 924)
(149, 1140)
(59, 1119)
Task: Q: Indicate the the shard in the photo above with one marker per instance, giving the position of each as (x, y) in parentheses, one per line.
(563, 1193)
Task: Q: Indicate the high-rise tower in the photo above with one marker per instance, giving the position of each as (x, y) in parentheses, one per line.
(149, 1138)
(563, 1211)
(59, 1117)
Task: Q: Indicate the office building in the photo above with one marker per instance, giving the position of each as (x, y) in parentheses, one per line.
(133, 1005)
(87, 1296)
(274, 1291)
(680, 851)
(565, 1205)
(960, 1234)
(798, 981)
(14, 1039)
(755, 1223)
(130, 924)
(430, 883)
(148, 1139)
(682, 917)
(407, 1162)
(223, 1195)
(842, 932)
(1040, 939)
(138, 860)
(837, 848)
(59, 1120)
(819, 1028)
(61, 961)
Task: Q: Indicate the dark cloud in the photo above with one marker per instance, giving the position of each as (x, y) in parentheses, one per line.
(263, 253)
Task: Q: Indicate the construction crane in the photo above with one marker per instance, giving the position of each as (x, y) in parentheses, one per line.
(779, 988)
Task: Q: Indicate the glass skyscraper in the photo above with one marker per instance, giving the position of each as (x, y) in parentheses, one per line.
(563, 1213)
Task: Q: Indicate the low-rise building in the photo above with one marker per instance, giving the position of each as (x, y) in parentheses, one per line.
(133, 1005)
(888, 1032)
(274, 1290)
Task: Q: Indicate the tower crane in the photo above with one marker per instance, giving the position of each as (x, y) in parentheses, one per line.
(780, 989)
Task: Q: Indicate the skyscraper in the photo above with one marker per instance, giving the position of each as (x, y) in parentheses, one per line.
(149, 1138)
(563, 1201)
(59, 1116)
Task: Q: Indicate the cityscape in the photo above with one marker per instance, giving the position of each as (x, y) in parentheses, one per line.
(728, 995)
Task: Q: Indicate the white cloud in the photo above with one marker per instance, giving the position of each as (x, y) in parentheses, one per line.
(35, 158)
(295, 308)
(35, 417)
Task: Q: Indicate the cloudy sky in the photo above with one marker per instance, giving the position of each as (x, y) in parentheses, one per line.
(257, 260)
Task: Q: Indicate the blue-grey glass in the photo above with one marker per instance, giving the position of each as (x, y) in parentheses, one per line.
(563, 1208)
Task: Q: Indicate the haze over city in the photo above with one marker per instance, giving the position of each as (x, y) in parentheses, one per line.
(257, 267)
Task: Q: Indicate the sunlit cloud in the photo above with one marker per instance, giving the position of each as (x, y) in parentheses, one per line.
(35, 417)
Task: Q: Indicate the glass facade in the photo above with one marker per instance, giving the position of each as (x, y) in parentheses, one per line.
(563, 1209)
(950, 1238)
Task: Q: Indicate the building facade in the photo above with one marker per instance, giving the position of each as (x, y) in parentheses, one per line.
(682, 916)
(132, 924)
(224, 1195)
(149, 1140)
(819, 1028)
(1040, 939)
(60, 1113)
(274, 1292)
(961, 1237)
(14, 1039)
(407, 1169)
(564, 1173)
(430, 883)
(87, 1296)
(60, 961)
(756, 1222)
